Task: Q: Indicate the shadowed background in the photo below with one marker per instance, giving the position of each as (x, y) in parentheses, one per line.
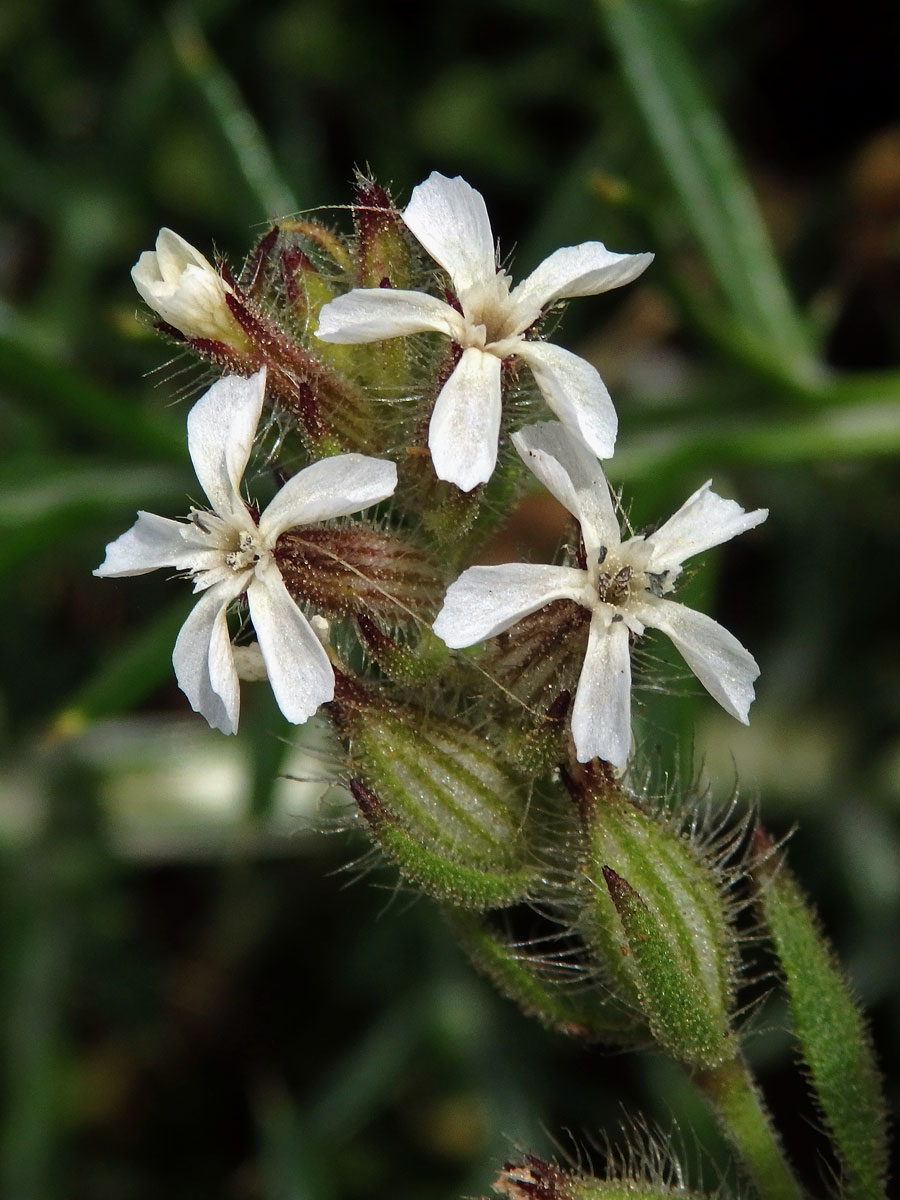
(192, 1002)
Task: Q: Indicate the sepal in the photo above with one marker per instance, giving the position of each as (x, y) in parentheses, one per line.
(382, 245)
(359, 568)
(656, 913)
(438, 798)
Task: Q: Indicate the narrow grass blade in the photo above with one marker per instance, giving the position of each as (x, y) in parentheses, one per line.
(696, 153)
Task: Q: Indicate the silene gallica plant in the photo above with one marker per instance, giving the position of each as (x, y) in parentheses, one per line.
(383, 398)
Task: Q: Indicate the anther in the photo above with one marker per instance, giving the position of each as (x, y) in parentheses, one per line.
(657, 580)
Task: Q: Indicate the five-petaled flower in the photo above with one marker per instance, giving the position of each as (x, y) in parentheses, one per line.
(228, 552)
(186, 290)
(624, 587)
(450, 220)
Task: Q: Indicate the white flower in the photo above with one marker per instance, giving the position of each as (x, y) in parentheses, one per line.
(450, 219)
(186, 290)
(624, 588)
(227, 552)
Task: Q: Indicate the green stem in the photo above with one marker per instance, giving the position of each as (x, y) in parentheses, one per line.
(733, 1095)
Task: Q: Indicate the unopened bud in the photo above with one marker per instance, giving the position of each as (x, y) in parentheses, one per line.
(405, 662)
(439, 800)
(360, 569)
(648, 1170)
(382, 246)
(177, 282)
(658, 918)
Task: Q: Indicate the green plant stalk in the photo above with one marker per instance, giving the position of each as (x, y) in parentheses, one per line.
(736, 1102)
(832, 1034)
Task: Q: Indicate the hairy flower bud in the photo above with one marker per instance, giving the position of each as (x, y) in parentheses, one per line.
(438, 799)
(177, 282)
(360, 569)
(382, 243)
(644, 1168)
(656, 915)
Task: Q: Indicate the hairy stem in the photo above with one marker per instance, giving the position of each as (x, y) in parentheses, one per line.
(735, 1099)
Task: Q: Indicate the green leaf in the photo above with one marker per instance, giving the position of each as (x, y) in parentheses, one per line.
(696, 152)
(831, 1030)
(840, 434)
(42, 503)
(240, 129)
(31, 374)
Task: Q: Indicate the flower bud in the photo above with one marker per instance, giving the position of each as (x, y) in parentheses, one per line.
(647, 1168)
(442, 804)
(177, 282)
(357, 568)
(405, 662)
(382, 247)
(657, 916)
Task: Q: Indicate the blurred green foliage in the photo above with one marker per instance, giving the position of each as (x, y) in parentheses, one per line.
(191, 1002)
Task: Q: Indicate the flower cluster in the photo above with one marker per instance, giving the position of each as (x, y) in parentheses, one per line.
(275, 569)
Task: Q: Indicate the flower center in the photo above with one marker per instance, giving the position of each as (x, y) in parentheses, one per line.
(614, 587)
(489, 315)
(617, 582)
(247, 554)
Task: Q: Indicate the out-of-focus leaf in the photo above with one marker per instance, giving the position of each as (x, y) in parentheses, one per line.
(41, 503)
(297, 1163)
(366, 1075)
(271, 743)
(868, 431)
(239, 128)
(33, 376)
(32, 1021)
(703, 168)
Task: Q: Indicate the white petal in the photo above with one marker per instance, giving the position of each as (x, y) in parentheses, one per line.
(173, 254)
(716, 657)
(203, 662)
(601, 715)
(704, 520)
(373, 314)
(331, 487)
(152, 542)
(486, 600)
(465, 424)
(568, 470)
(221, 428)
(249, 663)
(450, 220)
(582, 270)
(186, 290)
(575, 392)
(299, 671)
